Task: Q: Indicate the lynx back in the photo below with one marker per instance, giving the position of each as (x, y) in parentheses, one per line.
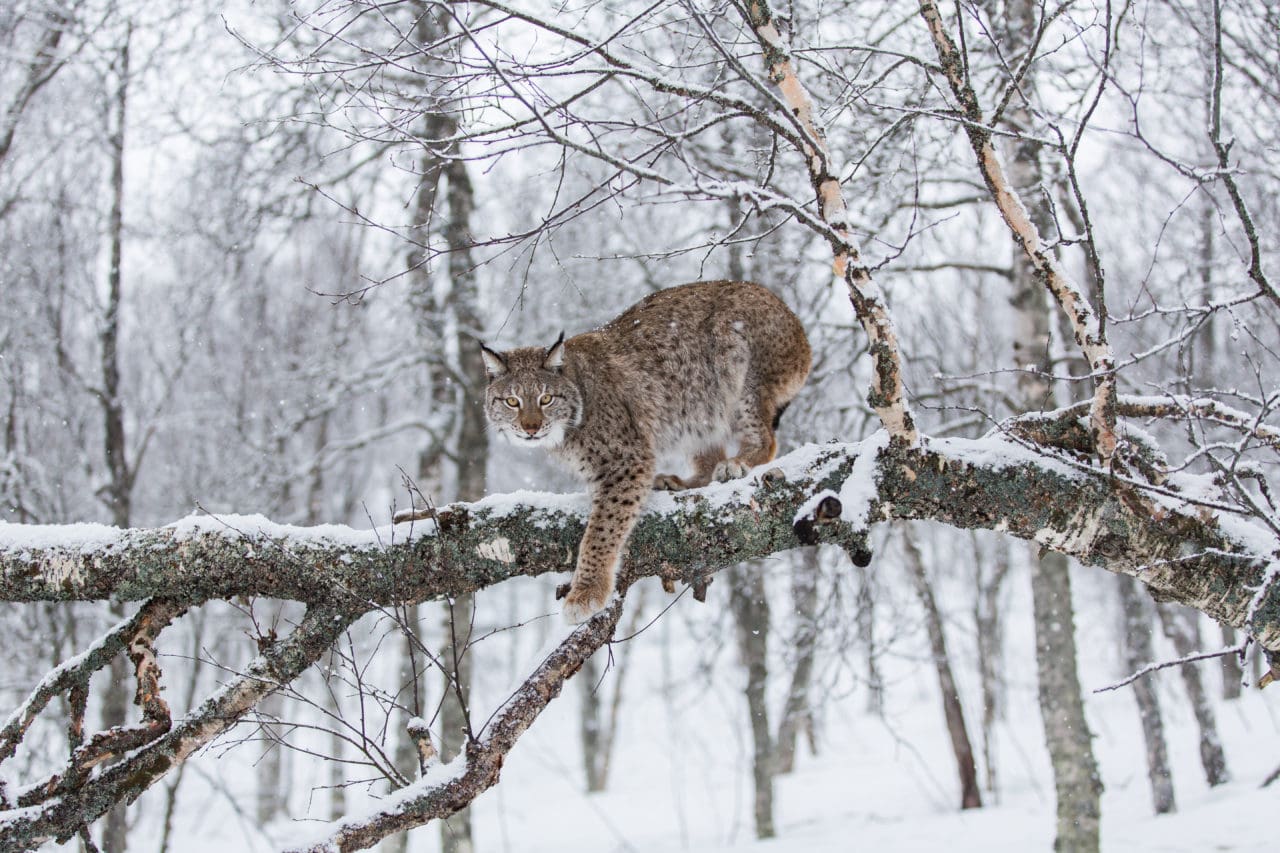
(696, 375)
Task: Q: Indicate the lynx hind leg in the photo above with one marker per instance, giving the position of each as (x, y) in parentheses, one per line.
(704, 466)
(615, 506)
(757, 444)
(669, 483)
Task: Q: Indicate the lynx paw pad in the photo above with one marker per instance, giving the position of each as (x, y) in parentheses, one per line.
(579, 606)
(729, 469)
(668, 483)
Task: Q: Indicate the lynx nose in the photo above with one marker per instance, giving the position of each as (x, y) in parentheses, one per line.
(532, 429)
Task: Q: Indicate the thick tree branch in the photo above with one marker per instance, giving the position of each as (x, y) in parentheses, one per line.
(1185, 546)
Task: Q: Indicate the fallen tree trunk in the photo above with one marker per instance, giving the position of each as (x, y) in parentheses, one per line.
(1185, 546)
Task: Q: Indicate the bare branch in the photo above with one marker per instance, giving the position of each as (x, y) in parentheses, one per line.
(887, 396)
(446, 789)
(1085, 322)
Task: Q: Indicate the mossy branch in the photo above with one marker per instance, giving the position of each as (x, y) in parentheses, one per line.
(1185, 546)
(1191, 548)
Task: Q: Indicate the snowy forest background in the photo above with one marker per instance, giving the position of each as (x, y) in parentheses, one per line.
(245, 249)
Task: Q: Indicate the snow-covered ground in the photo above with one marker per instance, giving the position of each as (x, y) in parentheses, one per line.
(682, 782)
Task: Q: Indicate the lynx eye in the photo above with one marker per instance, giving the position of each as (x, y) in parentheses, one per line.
(513, 402)
(545, 399)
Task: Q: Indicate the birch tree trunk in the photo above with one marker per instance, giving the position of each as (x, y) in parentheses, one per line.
(750, 608)
(865, 617)
(598, 721)
(1075, 771)
(270, 776)
(470, 451)
(455, 724)
(119, 490)
(953, 711)
(1204, 368)
(990, 640)
(1180, 627)
(1137, 625)
(797, 714)
(591, 725)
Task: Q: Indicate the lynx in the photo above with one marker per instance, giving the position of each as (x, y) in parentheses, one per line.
(682, 376)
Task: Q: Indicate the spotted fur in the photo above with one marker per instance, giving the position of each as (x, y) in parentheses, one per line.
(683, 376)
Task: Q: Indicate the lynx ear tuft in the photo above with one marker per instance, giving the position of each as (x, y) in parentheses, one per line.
(494, 364)
(555, 355)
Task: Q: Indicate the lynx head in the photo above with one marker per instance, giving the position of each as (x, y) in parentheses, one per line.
(529, 400)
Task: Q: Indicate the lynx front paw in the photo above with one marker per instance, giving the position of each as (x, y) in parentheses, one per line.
(729, 469)
(581, 604)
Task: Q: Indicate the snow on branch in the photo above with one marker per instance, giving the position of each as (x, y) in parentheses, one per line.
(1179, 539)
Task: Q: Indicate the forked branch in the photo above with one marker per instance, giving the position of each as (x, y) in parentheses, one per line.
(59, 817)
(446, 789)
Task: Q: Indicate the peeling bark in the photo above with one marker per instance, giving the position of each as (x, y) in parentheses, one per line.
(887, 395)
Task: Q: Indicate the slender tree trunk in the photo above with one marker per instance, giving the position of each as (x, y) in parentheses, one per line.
(806, 569)
(454, 313)
(337, 746)
(270, 767)
(413, 697)
(990, 639)
(1180, 627)
(1075, 770)
(970, 797)
(1138, 652)
(1205, 368)
(1077, 784)
(455, 726)
(865, 622)
(116, 699)
(598, 723)
(471, 452)
(1232, 672)
(750, 608)
(591, 722)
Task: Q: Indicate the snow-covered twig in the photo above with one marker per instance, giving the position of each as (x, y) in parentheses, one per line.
(1152, 667)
